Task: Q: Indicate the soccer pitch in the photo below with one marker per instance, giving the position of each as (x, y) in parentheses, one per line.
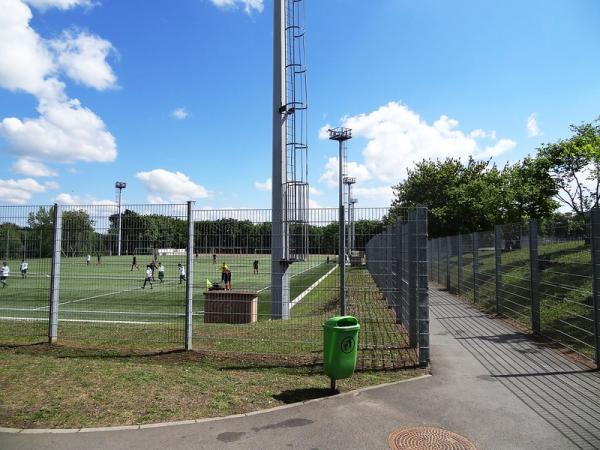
(111, 292)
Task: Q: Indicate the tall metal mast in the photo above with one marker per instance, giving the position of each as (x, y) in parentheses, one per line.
(341, 135)
(289, 238)
(119, 186)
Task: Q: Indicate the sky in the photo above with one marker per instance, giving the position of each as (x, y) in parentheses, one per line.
(174, 97)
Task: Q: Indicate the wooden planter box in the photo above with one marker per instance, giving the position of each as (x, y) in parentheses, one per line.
(230, 307)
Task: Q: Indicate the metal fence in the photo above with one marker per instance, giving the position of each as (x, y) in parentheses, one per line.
(397, 262)
(139, 280)
(539, 275)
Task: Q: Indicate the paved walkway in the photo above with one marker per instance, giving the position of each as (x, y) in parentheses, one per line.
(489, 384)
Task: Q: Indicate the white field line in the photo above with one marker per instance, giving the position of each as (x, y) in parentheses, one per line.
(295, 301)
(128, 322)
(138, 288)
(295, 275)
(311, 287)
(85, 311)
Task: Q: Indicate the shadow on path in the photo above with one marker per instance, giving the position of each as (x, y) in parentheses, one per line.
(564, 393)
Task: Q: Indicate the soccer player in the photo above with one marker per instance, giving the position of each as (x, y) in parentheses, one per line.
(148, 278)
(134, 264)
(161, 272)
(255, 266)
(88, 259)
(181, 271)
(214, 258)
(23, 268)
(153, 267)
(227, 275)
(4, 271)
(223, 277)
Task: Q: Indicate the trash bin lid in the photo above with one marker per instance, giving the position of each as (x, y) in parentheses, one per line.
(345, 322)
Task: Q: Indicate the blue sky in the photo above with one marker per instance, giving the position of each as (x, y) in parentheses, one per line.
(174, 97)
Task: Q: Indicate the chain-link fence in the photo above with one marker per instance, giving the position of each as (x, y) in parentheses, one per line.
(164, 276)
(538, 275)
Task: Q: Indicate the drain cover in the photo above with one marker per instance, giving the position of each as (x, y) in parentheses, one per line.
(427, 438)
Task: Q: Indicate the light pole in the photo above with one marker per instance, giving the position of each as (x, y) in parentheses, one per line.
(119, 185)
(341, 135)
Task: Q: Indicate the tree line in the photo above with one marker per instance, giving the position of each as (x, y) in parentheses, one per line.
(143, 234)
(464, 197)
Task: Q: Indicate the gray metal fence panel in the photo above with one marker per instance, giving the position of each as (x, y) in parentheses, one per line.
(26, 236)
(540, 275)
(409, 267)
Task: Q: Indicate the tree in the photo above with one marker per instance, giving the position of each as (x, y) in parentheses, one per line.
(78, 235)
(574, 165)
(469, 197)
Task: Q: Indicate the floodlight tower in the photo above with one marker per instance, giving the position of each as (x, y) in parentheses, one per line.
(289, 235)
(352, 243)
(348, 182)
(119, 186)
(341, 135)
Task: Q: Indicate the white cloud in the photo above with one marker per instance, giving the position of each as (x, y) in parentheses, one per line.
(354, 169)
(314, 191)
(51, 185)
(482, 134)
(398, 137)
(249, 5)
(266, 186)
(164, 186)
(179, 113)
(19, 191)
(83, 58)
(32, 168)
(25, 60)
(314, 204)
(500, 147)
(65, 131)
(381, 195)
(324, 131)
(60, 4)
(533, 129)
(71, 200)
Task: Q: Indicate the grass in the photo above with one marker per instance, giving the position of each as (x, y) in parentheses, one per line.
(62, 387)
(108, 299)
(565, 290)
(116, 362)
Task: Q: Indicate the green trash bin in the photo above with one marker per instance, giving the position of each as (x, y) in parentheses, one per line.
(340, 345)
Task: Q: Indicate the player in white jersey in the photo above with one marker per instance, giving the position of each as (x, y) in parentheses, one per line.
(4, 271)
(181, 271)
(24, 266)
(148, 277)
(161, 272)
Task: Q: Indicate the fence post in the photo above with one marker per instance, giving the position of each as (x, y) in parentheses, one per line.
(422, 285)
(448, 251)
(398, 244)
(459, 263)
(595, 246)
(55, 275)
(498, 268)
(412, 279)
(475, 267)
(189, 279)
(438, 245)
(534, 276)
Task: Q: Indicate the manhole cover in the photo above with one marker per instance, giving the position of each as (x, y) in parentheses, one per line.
(427, 438)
